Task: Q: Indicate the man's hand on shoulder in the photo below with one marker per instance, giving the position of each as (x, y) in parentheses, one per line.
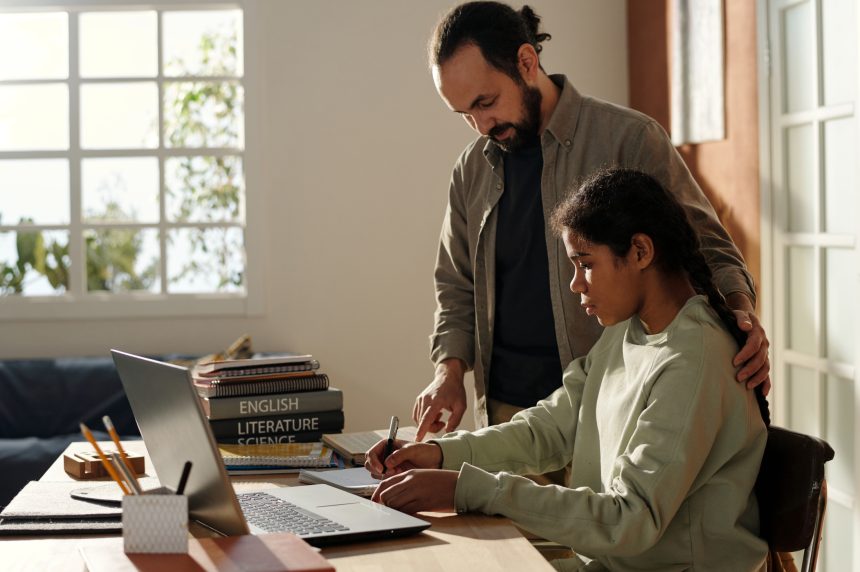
(754, 355)
(445, 393)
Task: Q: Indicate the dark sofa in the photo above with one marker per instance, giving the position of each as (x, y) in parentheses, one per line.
(42, 402)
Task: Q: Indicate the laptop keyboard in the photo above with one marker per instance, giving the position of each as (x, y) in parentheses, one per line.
(276, 515)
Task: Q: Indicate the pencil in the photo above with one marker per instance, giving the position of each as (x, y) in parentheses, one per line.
(108, 467)
(125, 472)
(115, 438)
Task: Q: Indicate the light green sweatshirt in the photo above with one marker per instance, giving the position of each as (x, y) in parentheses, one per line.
(665, 444)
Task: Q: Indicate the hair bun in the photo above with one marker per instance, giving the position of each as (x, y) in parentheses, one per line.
(532, 24)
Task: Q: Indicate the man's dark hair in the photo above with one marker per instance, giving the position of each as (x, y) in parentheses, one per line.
(496, 28)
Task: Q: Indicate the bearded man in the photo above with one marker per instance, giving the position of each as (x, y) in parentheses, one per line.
(501, 276)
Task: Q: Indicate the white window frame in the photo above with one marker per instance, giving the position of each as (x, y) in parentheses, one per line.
(77, 303)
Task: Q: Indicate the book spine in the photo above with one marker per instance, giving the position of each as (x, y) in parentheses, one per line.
(319, 422)
(266, 405)
(318, 382)
(302, 437)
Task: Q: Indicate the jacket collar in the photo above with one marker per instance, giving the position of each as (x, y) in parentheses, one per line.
(562, 122)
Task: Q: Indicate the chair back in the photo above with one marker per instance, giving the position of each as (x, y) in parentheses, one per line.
(791, 490)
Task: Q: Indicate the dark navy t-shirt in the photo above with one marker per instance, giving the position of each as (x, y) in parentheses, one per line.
(525, 366)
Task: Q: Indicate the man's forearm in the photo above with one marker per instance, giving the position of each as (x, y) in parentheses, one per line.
(740, 301)
(452, 365)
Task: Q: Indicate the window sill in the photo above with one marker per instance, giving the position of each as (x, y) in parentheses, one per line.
(121, 306)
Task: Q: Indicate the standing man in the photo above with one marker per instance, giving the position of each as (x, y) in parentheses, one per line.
(500, 274)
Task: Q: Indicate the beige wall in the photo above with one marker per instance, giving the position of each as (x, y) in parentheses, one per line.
(355, 151)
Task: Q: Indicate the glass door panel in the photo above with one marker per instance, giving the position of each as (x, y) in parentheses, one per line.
(812, 215)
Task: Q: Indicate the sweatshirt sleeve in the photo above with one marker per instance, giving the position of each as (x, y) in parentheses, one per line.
(671, 441)
(534, 441)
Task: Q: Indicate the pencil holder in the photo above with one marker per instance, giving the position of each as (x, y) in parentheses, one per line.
(155, 523)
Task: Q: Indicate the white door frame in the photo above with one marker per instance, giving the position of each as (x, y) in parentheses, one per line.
(772, 298)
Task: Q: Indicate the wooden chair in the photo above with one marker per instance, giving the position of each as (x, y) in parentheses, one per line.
(792, 493)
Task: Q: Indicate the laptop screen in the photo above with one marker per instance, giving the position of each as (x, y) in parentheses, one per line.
(175, 430)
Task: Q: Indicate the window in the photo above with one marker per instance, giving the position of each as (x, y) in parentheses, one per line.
(122, 161)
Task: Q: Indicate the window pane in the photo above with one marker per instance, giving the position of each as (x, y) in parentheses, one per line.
(34, 263)
(839, 51)
(203, 114)
(206, 260)
(205, 43)
(841, 286)
(34, 117)
(800, 314)
(838, 540)
(34, 190)
(805, 410)
(840, 433)
(119, 44)
(204, 189)
(840, 166)
(119, 116)
(122, 260)
(34, 46)
(800, 151)
(120, 190)
(799, 57)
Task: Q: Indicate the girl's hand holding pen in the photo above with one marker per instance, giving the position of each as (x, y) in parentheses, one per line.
(405, 456)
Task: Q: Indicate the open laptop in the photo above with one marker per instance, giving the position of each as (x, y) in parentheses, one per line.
(175, 430)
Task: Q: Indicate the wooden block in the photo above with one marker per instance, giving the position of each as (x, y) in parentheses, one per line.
(89, 466)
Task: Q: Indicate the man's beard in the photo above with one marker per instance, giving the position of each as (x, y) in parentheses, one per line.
(526, 131)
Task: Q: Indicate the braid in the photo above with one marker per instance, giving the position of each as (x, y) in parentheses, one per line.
(702, 279)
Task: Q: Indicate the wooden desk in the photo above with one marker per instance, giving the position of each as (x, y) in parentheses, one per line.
(453, 542)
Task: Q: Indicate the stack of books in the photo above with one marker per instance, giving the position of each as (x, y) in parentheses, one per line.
(268, 400)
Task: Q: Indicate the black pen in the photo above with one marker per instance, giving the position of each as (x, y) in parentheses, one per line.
(392, 435)
(183, 479)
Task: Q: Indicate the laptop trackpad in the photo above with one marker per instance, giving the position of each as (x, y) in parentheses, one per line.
(351, 513)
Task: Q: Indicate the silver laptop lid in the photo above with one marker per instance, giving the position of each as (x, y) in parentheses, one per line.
(175, 430)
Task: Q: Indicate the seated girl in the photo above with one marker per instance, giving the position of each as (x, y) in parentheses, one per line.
(665, 446)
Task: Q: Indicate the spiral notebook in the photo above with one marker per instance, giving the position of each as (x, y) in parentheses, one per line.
(276, 455)
(261, 385)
